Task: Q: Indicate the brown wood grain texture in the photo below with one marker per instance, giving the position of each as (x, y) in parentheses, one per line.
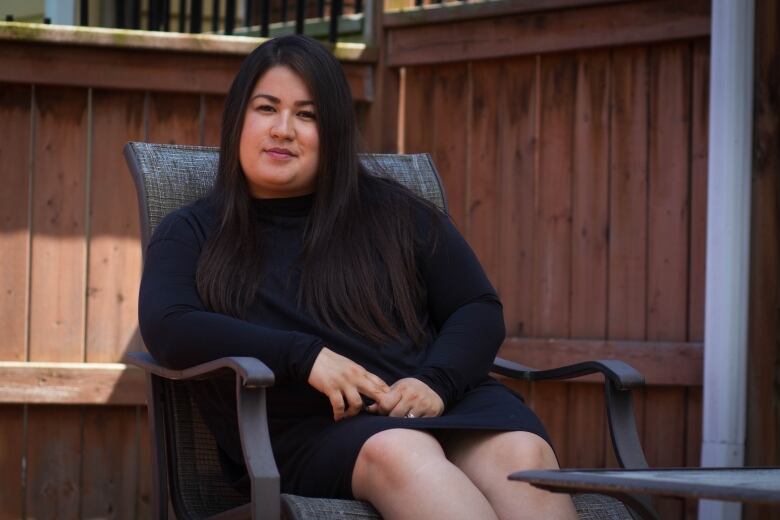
(15, 105)
(628, 195)
(549, 400)
(693, 427)
(590, 219)
(212, 119)
(114, 267)
(763, 412)
(449, 130)
(590, 197)
(668, 195)
(483, 178)
(53, 461)
(665, 363)
(552, 237)
(58, 225)
(141, 70)
(700, 99)
(517, 144)
(71, 383)
(664, 438)
(145, 465)
(668, 232)
(587, 424)
(418, 85)
(110, 463)
(546, 32)
(552, 234)
(174, 119)
(11, 466)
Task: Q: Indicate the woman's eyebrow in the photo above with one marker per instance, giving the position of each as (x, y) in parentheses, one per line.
(274, 99)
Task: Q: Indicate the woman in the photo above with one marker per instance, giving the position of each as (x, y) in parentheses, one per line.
(372, 311)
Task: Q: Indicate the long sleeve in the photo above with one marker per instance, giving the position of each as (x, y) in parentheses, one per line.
(466, 313)
(178, 330)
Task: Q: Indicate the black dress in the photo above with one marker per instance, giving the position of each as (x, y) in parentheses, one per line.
(316, 455)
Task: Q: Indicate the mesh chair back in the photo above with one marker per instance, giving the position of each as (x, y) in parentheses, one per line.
(170, 176)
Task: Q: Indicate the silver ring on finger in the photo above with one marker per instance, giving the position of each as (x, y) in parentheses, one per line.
(409, 415)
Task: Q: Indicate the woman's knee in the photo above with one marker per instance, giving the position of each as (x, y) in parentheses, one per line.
(393, 456)
(525, 450)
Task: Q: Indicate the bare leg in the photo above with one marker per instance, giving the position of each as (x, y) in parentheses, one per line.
(405, 475)
(489, 457)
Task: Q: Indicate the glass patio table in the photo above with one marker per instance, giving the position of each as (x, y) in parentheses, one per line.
(759, 485)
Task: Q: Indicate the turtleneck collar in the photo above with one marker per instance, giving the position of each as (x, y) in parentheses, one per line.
(285, 207)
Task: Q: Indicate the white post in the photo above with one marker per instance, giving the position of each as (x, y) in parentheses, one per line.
(728, 242)
(61, 12)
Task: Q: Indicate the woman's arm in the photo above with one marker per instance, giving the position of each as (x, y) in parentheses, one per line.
(466, 312)
(178, 330)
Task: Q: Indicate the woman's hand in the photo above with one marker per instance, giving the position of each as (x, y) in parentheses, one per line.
(409, 397)
(343, 381)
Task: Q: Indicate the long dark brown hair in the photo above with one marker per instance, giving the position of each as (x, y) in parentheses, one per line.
(359, 265)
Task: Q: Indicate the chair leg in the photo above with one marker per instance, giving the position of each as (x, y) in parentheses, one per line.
(155, 397)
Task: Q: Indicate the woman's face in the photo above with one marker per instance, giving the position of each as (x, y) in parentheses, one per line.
(279, 147)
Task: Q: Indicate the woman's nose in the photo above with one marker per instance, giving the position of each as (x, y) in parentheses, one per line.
(282, 127)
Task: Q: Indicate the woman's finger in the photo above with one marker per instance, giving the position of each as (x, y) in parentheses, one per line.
(354, 401)
(337, 403)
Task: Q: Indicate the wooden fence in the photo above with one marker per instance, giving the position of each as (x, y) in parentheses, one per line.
(573, 148)
(74, 440)
(572, 140)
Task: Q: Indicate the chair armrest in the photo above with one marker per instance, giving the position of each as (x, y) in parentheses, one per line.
(251, 371)
(623, 375)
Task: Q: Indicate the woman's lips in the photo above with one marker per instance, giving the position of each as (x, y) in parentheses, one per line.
(280, 154)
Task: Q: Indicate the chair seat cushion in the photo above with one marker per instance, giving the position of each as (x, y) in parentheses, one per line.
(294, 507)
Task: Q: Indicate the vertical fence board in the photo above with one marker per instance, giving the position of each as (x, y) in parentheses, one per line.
(58, 227)
(448, 147)
(114, 253)
(664, 438)
(668, 199)
(145, 465)
(14, 225)
(698, 233)
(517, 147)
(212, 119)
(590, 199)
(628, 191)
(668, 215)
(549, 399)
(763, 385)
(552, 236)
(483, 178)
(53, 461)
(693, 416)
(552, 241)
(11, 453)
(110, 465)
(174, 118)
(590, 191)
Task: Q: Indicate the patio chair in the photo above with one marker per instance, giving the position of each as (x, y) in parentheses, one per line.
(187, 465)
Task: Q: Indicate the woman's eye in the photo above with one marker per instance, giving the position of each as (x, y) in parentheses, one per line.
(307, 115)
(265, 108)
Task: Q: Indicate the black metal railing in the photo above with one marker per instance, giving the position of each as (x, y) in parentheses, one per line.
(320, 18)
(258, 15)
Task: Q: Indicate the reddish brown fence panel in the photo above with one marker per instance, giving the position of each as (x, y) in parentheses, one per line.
(114, 252)
(578, 198)
(14, 215)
